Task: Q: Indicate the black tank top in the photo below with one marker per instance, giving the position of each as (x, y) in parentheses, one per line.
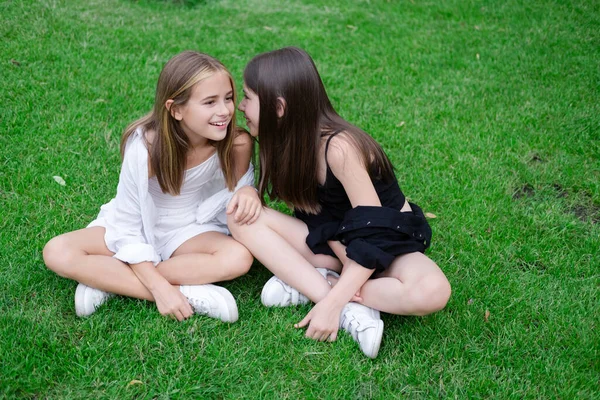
(335, 202)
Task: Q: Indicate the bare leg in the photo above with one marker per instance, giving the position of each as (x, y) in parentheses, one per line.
(83, 256)
(412, 285)
(278, 241)
(206, 258)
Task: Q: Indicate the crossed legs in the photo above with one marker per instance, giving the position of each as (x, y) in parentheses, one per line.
(413, 285)
(83, 256)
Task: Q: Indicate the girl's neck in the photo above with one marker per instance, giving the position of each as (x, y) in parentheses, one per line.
(198, 143)
(199, 153)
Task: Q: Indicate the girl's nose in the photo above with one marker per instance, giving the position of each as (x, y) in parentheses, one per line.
(224, 110)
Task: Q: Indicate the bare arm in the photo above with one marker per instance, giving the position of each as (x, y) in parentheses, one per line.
(346, 164)
(242, 153)
(245, 203)
(169, 300)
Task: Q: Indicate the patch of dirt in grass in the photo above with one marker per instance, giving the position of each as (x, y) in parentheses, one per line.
(536, 158)
(535, 265)
(524, 191)
(585, 209)
(560, 192)
(586, 212)
(581, 204)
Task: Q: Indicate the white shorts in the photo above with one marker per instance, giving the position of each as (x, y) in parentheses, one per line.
(173, 228)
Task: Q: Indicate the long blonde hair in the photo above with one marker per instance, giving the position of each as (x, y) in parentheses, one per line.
(169, 148)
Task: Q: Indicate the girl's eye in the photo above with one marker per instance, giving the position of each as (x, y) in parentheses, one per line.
(230, 98)
(210, 102)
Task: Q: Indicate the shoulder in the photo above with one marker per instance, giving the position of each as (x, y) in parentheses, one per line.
(149, 136)
(241, 137)
(137, 157)
(342, 150)
(140, 139)
(242, 142)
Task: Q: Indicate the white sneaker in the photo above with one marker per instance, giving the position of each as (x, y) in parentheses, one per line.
(212, 301)
(88, 299)
(277, 293)
(328, 272)
(365, 326)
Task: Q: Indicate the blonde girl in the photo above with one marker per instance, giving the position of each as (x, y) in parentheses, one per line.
(164, 237)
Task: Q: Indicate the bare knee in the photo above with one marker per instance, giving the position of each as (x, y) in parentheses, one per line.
(58, 256)
(236, 261)
(432, 294)
(240, 231)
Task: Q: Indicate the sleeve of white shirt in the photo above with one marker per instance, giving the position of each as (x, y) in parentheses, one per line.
(125, 231)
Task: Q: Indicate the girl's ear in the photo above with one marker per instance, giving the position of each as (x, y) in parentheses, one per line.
(281, 106)
(173, 109)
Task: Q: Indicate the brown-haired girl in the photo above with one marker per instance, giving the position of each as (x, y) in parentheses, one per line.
(164, 237)
(351, 216)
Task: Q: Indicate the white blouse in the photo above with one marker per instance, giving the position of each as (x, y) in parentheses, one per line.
(129, 218)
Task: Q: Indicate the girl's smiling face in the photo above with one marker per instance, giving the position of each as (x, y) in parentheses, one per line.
(250, 106)
(209, 110)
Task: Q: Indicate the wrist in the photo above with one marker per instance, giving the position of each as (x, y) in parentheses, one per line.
(157, 285)
(334, 302)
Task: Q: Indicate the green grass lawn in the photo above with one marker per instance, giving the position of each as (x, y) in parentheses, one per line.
(490, 111)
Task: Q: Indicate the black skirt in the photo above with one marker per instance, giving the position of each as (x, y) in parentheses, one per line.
(373, 236)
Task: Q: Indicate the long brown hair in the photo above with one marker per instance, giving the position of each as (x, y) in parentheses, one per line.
(288, 146)
(169, 148)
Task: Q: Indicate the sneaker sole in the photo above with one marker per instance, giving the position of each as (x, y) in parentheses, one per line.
(79, 298)
(232, 309)
(374, 350)
(263, 295)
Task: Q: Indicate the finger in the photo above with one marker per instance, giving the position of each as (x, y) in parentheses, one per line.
(241, 212)
(185, 307)
(324, 336)
(255, 217)
(243, 215)
(248, 217)
(312, 333)
(232, 204)
(255, 214)
(333, 336)
(244, 212)
(187, 312)
(304, 322)
(179, 316)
